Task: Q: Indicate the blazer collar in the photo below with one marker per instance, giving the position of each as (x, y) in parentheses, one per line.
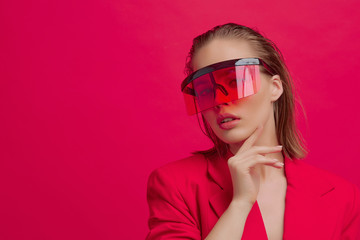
(299, 174)
(305, 187)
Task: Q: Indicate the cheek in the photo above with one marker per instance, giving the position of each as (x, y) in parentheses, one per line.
(258, 103)
(209, 116)
(257, 109)
(255, 104)
(252, 104)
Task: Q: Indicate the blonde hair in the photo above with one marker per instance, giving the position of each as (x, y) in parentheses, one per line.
(287, 132)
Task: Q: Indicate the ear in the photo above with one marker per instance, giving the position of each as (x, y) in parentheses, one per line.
(276, 87)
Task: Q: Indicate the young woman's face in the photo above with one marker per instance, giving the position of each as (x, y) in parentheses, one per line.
(250, 111)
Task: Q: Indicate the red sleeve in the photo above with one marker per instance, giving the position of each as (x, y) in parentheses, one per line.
(169, 218)
(351, 229)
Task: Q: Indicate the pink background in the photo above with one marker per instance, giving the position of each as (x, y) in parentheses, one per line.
(90, 102)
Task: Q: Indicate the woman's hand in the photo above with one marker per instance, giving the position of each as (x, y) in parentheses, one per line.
(245, 180)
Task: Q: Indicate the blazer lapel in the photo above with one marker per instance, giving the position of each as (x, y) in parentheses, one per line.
(220, 199)
(219, 172)
(302, 203)
(305, 207)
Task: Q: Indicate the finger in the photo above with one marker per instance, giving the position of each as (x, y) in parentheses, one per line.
(249, 142)
(259, 159)
(258, 150)
(263, 150)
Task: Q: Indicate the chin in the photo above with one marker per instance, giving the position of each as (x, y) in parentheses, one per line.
(233, 136)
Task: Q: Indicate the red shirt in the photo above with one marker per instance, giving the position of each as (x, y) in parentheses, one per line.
(187, 197)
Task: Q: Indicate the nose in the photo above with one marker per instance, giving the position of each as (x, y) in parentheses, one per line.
(222, 89)
(217, 107)
(222, 97)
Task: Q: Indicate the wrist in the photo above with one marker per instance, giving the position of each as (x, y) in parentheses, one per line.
(241, 205)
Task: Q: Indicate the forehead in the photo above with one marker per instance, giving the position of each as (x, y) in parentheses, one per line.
(222, 49)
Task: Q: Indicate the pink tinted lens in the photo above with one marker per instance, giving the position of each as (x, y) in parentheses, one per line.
(221, 86)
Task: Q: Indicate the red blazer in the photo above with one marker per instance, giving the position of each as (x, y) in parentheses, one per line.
(187, 197)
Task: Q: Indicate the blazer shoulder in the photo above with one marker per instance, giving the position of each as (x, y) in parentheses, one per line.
(342, 185)
(170, 196)
(338, 195)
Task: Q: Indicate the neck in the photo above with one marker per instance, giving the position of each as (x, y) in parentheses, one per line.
(267, 138)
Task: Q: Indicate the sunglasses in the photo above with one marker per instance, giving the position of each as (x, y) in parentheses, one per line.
(222, 82)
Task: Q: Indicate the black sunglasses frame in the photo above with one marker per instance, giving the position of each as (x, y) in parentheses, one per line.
(221, 65)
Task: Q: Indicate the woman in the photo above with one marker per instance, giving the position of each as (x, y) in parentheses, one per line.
(252, 183)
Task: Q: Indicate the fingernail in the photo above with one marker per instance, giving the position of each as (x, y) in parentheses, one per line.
(279, 146)
(279, 164)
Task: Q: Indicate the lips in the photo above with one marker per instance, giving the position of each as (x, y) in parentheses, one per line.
(225, 118)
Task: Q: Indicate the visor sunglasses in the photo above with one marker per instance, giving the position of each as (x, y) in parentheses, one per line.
(222, 82)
